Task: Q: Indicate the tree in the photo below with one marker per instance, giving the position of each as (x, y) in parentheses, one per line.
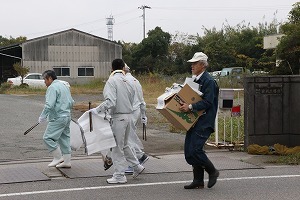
(8, 41)
(179, 52)
(288, 50)
(127, 51)
(22, 71)
(218, 49)
(232, 46)
(152, 51)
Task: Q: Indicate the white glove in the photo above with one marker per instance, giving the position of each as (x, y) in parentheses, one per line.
(144, 120)
(94, 111)
(42, 119)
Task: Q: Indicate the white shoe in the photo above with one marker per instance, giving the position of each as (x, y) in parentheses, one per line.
(63, 165)
(57, 157)
(66, 163)
(137, 170)
(117, 179)
(55, 162)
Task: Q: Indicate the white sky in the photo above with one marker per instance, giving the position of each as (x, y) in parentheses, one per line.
(34, 18)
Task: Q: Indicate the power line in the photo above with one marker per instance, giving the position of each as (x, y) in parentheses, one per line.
(215, 8)
(78, 25)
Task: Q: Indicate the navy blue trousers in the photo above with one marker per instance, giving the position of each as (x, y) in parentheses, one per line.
(194, 146)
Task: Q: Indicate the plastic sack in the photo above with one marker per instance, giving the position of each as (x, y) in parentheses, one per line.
(101, 137)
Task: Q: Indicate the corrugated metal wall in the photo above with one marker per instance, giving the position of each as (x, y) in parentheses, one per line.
(74, 49)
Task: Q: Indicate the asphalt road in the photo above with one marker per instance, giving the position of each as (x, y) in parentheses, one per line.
(18, 113)
(271, 183)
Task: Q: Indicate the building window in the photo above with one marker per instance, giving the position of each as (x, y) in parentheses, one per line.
(62, 71)
(85, 71)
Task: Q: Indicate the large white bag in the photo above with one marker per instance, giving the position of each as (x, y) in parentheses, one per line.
(100, 139)
(76, 136)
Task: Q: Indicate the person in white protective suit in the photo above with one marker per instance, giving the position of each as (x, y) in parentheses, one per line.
(57, 109)
(139, 111)
(118, 95)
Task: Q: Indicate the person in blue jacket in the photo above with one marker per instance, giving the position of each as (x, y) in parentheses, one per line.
(204, 127)
(57, 110)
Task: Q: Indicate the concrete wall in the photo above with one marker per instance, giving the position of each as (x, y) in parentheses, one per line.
(272, 110)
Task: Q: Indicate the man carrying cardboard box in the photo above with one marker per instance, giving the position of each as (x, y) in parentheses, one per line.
(204, 127)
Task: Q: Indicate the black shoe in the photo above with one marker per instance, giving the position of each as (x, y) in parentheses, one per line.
(107, 163)
(213, 179)
(195, 185)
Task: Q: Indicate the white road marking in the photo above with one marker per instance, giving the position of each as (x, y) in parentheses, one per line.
(137, 185)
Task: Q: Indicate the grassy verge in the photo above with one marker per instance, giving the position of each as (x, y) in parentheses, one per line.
(6, 88)
(292, 159)
(94, 87)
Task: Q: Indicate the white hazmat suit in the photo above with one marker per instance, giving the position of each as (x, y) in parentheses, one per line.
(119, 95)
(139, 111)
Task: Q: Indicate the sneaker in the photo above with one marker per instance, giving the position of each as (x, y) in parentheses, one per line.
(107, 163)
(137, 170)
(129, 171)
(117, 179)
(143, 159)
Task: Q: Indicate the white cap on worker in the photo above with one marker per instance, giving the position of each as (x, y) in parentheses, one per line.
(198, 56)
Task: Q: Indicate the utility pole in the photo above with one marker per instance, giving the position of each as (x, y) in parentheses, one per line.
(144, 16)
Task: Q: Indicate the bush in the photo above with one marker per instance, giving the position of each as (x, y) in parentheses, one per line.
(4, 87)
(24, 85)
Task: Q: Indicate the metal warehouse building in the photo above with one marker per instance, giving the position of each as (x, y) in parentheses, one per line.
(75, 56)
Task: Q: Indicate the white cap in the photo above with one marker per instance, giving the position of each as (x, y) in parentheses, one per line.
(198, 56)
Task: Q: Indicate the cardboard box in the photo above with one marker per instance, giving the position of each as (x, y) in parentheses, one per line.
(178, 119)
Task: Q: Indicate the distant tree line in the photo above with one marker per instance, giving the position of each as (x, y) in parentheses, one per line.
(8, 41)
(238, 46)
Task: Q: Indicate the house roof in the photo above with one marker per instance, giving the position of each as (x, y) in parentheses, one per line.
(68, 30)
(45, 36)
(10, 46)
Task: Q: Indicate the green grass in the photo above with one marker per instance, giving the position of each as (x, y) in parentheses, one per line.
(292, 159)
(93, 87)
(6, 88)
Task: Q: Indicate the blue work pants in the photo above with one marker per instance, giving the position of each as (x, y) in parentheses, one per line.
(58, 132)
(194, 146)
